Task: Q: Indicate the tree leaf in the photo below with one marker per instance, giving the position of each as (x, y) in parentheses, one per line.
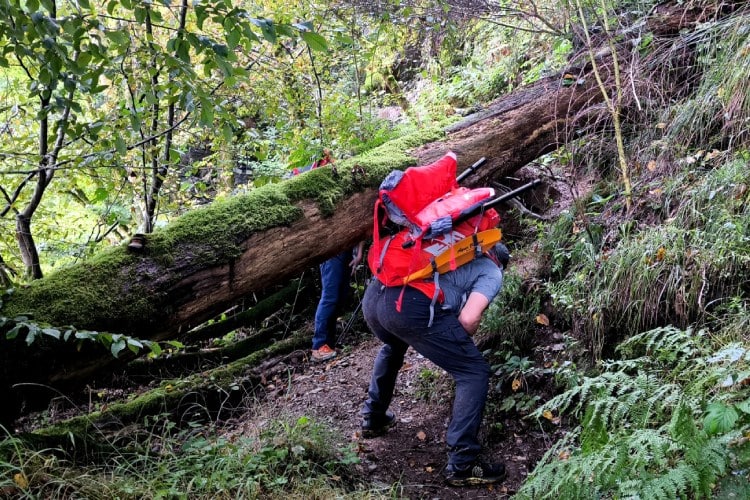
(117, 347)
(719, 418)
(120, 145)
(52, 332)
(303, 26)
(13, 332)
(743, 406)
(315, 41)
(267, 28)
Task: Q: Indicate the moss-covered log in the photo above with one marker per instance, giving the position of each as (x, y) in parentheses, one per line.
(199, 265)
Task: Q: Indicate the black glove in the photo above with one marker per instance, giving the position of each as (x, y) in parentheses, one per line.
(500, 254)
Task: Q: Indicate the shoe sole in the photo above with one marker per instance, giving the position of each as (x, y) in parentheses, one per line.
(475, 481)
(326, 358)
(373, 433)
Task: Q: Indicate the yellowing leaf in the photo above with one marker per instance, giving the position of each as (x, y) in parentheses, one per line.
(548, 415)
(542, 319)
(515, 385)
(20, 479)
(563, 455)
(169, 388)
(660, 253)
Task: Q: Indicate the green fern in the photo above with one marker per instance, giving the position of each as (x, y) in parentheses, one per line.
(644, 418)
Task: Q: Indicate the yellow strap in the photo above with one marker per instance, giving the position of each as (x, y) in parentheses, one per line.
(464, 251)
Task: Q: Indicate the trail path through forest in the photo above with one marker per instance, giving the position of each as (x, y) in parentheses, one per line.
(413, 453)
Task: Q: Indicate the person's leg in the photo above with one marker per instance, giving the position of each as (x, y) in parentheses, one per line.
(447, 345)
(344, 296)
(332, 272)
(390, 358)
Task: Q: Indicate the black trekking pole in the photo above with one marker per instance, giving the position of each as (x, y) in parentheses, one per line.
(463, 175)
(476, 210)
(349, 323)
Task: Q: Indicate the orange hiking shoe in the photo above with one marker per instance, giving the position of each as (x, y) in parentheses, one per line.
(323, 354)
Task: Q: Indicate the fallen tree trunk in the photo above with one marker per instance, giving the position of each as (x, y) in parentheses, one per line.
(206, 395)
(200, 265)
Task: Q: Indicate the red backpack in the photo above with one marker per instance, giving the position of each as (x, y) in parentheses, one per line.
(426, 202)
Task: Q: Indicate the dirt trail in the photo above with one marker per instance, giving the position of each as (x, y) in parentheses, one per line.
(413, 453)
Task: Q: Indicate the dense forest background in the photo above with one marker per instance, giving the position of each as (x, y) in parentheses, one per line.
(122, 117)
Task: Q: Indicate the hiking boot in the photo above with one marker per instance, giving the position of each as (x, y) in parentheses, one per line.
(323, 354)
(475, 474)
(374, 425)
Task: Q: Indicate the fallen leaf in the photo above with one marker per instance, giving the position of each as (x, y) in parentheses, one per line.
(429, 469)
(20, 479)
(515, 385)
(421, 435)
(660, 253)
(563, 455)
(651, 166)
(542, 319)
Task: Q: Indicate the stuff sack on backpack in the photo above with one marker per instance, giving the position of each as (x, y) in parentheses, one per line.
(427, 199)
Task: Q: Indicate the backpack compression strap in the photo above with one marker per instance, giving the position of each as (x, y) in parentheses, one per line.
(461, 253)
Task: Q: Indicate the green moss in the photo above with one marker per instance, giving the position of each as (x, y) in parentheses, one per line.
(78, 293)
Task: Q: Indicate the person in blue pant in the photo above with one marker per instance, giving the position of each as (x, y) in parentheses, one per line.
(446, 342)
(334, 277)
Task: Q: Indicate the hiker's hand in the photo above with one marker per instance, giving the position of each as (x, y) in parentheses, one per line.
(357, 256)
(471, 314)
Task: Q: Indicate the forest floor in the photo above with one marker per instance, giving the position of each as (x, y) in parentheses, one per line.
(412, 455)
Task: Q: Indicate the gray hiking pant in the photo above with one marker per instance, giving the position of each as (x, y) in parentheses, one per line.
(445, 343)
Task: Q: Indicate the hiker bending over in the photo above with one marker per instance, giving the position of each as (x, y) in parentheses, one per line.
(447, 342)
(334, 277)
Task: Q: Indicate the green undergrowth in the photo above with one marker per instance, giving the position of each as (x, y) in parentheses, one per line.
(678, 272)
(668, 419)
(288, 459)
(170, 394)
(510, 316)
